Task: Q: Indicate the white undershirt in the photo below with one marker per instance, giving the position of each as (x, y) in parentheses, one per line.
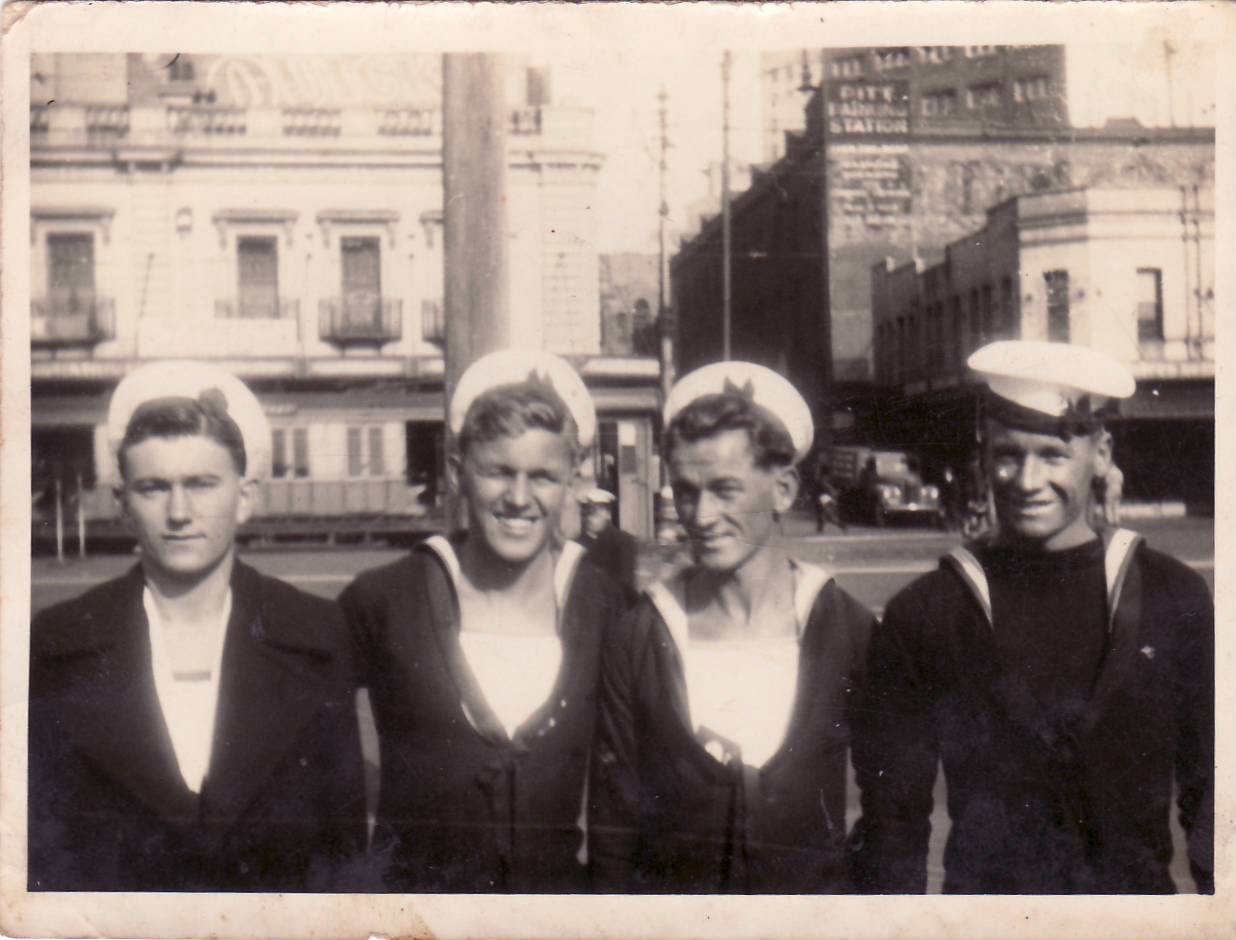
(742, 690)
(188, 702)
(516, 672)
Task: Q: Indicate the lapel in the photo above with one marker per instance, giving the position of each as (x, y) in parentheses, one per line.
(668, 597)
(1124, 625)
(271, 685)
(110, 708)
(443, 600)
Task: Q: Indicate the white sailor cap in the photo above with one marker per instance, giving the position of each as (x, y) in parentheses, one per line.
(1059, 388)
(760, 385)
(510, 367)
(597, 497)
(202, 382)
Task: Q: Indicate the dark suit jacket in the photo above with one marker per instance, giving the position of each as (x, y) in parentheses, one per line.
(282, 807)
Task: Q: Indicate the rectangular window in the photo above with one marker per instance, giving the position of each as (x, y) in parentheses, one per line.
(278, 453)
(285, 465)
(70, 267)
(936, 55)
(362, 281)
(1057, 283)
(258, 278)
(940, 103)
(979, 52)
(892, 57)
(377, 461)
(300, 452)
(986, 95)
(1032, 88)
(849, 67)
(1149, 304)
(356, 459)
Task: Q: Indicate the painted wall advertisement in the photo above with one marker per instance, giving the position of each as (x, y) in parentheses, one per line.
(870, 184)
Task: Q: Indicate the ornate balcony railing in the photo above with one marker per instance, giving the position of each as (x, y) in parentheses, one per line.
(206, 119)
(352, 321)
(148, 124)
(107, 119)
(312, 122)
(71, 322)
(409, 122)
(275, 308)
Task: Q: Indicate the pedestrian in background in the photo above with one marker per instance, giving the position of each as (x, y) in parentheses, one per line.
(480, 651)
(720, 758)
(1065, 680)
(609, 548)
(192, 723)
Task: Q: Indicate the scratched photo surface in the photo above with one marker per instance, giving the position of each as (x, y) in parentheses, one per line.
(344, 207)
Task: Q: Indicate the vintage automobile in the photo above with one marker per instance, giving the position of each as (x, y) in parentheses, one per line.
(878, 485)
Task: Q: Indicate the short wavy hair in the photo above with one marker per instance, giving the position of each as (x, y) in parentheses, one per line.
(509, 410)
(713, 414)
(184, 417)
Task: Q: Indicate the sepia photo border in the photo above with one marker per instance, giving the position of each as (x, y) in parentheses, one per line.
(542, 27)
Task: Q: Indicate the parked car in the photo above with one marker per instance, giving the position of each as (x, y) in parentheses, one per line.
(879, 485)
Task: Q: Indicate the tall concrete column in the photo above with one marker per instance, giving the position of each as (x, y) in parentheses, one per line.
(474, 209)
(476, 296)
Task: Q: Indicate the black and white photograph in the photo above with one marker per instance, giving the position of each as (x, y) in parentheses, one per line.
(617, 470)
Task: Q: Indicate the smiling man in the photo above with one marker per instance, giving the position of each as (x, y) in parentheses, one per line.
(720, 759)
(192, 723)
(1063, 677)
(480, 650)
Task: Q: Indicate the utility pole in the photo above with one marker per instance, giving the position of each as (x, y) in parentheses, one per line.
(665, 329)
(474, 165)
(726, 273)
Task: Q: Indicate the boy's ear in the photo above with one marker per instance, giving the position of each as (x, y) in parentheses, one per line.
(454, 471)
(785, 490)
(1102, 453)
(250, 495)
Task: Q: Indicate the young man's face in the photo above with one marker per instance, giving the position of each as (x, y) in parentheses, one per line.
(186, 499)
(516, 488)
(596, 519)
(1042, 484)
(725, 501)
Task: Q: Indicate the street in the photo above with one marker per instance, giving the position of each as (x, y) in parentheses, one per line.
(872, 564)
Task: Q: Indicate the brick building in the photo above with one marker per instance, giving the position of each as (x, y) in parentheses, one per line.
(1129, 271)
(282, 215)
(946, 85)
(882, 169)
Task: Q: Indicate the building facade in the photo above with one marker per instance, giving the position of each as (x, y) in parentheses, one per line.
(945, 86)
(282, 216)
(1128, 271)
(881, 169)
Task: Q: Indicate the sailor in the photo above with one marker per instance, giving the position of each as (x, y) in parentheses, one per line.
(480, 651)
(609, 548)
(192, 722)
(1064, 679)
(721, 754)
